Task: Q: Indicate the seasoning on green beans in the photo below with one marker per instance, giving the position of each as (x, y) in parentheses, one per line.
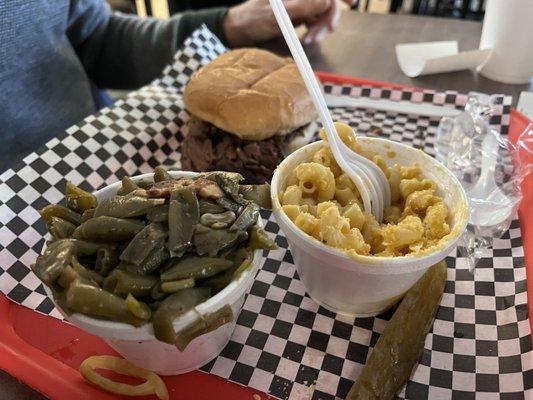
(154, 251)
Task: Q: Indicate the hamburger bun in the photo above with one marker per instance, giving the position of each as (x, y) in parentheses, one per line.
(251, 93)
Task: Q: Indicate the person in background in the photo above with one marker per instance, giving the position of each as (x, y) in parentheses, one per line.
(56, 55)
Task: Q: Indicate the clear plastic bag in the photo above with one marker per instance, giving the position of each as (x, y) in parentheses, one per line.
(489, 167)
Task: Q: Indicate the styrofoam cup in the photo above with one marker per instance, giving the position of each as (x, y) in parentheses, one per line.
(139, 345)
(508, 31)
(366, 285)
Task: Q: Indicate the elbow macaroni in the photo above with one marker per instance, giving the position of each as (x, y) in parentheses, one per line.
(323, 202)
(316, 180)
(292, 196)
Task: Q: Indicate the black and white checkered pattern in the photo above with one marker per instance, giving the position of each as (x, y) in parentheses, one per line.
(285, 344)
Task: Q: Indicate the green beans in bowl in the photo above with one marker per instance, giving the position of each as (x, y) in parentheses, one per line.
(158, 264)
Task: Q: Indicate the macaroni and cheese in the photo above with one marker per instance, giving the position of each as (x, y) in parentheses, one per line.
(324, 203)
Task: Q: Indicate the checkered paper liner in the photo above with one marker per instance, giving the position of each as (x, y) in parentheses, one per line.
(284, 343)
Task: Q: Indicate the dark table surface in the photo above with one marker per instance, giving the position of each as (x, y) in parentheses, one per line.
(363, 46)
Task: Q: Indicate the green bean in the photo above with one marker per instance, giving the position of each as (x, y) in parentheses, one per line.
(79, 200)
(158, 213)
(154, 261)
(221, 280)
(144, 184)
(127, 187)
(218, 282)
(259, 194)
(245, 264)
(210, 242)
(108, 228)
(55, 210)
(240, 255)
(138, 308)
(400, 345)
(67, 276)
(195, 267)
(259, 239)
(96, 302)
(87, 214)
(173, 306)
(207, 206)
(247, 218)
(207, 323)
(123, 282)
(55, 259)
(228, 204)
(60, 228)
(161, 174)
(127, 206)
(106, 260)
(81, 247)
(84, 272)
(174, 286)
(151, 238)
(182, 218)
(112, 259)
(157, 292)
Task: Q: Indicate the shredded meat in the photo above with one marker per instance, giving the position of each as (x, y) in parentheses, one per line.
(204, 187)
(208, 148)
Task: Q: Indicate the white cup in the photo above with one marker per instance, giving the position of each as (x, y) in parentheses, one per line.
(366, 285)
(508, 31)
(139, 345)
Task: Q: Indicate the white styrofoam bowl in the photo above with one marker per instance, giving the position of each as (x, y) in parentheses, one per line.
(139, 345)
(366, 285)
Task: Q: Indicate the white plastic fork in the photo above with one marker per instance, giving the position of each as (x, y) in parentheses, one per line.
(368, 178)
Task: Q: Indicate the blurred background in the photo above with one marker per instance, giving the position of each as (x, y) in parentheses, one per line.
(465, 9)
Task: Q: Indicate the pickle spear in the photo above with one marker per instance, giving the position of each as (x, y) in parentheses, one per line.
(400, 345)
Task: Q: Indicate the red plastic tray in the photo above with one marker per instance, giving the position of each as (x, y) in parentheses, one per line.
(45, 353)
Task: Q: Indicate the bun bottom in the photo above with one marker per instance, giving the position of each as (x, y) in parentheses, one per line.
(207, 148)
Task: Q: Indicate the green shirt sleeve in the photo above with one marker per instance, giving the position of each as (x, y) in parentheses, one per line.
(128, 52)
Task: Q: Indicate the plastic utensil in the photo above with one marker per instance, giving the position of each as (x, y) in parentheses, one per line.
(370, 181)
(489, 205)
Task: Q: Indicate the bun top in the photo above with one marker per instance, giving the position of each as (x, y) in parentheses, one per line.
(251, 93)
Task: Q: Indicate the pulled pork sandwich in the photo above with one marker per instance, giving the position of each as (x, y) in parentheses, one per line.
(249, 109)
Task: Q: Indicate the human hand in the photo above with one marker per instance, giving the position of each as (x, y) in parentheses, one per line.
(253, 21)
